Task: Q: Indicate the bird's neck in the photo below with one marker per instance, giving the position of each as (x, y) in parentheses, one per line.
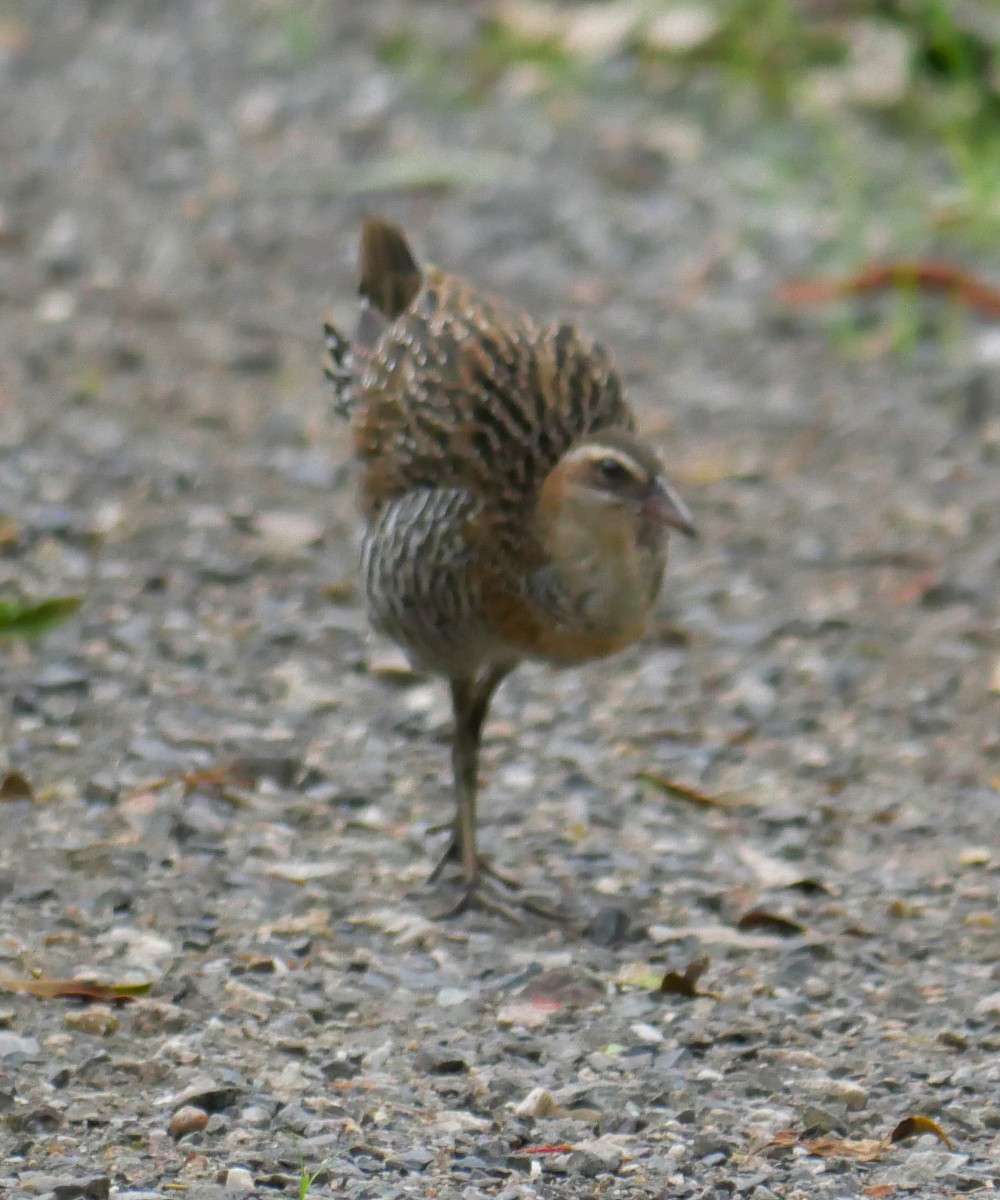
(594, 561)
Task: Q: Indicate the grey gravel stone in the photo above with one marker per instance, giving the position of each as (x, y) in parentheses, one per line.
(239, 1179)
(15, 1047)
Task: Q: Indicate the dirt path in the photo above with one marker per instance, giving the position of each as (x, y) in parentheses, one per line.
(179, 202)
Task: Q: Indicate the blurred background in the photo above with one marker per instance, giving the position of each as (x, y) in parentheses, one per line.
(781, 214)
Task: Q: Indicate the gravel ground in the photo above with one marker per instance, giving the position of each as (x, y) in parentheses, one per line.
(233, 787)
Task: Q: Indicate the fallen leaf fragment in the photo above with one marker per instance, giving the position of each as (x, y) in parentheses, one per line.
(529, 1014)
(784, 1137)
(926, 275)
(760, 918)
(50, 989)
(916, 1125)
(685, 983)
(20, 618)
(640, 975)
(974, 856)
(860, 1149)
(14, 786)
(220, 779)
(682, 791)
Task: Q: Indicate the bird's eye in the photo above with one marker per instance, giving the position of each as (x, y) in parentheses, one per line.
(613, 470)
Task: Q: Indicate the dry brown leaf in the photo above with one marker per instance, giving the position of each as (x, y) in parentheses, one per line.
(760, 918)
(860, 1149)
(220, 779)
(50, 989)
(785, 1137)
(926, 275)
(14, 786)
(916, 1125)
(682, 791)
(685, 983)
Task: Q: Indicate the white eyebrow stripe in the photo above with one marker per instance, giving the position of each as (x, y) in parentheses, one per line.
(595, 451)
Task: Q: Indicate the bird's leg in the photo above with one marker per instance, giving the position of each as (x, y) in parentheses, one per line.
(470, 705)
(468, 736)
(471, 702)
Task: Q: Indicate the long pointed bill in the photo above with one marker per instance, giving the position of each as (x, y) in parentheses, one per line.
(664, 506)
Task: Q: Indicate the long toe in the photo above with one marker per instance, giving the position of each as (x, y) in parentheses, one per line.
(452, 857)
(489, 891)
(481, 895)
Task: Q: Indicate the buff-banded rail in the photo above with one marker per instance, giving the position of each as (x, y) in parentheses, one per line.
(511, 510)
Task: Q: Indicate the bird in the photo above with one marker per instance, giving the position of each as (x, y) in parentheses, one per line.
(511, 510)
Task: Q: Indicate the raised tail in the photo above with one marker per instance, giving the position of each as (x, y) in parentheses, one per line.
(388, 275)
(388, 280)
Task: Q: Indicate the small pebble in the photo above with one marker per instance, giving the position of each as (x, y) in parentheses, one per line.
(539, 1103)
(853, 1095)
(97, 1020)
(14, 1047)
(239, 1179)
(187, 1119)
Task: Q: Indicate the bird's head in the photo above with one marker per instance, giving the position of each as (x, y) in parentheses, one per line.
(610, 486)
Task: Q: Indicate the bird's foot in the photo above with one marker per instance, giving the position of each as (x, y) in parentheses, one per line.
(483, 893)
(491, 891)
(483, 867)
